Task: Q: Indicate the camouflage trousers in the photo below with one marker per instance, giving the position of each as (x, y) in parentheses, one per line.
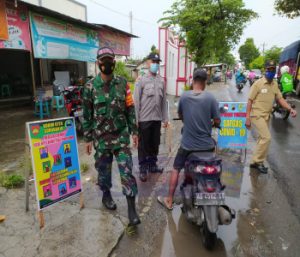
(104, 167)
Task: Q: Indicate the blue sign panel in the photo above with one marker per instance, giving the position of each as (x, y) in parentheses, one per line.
(57, 39)
(234, 132)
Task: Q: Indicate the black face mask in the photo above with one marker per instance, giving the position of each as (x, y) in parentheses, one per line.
(107, 67)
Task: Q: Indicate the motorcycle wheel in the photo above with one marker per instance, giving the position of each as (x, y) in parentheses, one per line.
(209, 239)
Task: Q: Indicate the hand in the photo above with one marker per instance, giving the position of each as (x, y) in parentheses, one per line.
(293, 112)
(248, 123)
(165, 124)
(89, 148)
(135, 141)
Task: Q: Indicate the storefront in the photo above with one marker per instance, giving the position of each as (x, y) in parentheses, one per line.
(37, 43)
(16, 77)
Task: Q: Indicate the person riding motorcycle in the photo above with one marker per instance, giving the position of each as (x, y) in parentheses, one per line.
(286, 80)
(239, 77)
(251, 77)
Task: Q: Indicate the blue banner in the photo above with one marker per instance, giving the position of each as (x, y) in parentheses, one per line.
(234, 132)
(57, 39)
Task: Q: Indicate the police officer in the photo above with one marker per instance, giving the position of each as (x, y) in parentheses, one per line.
(109, 119)
(261, 98)
(151, 110)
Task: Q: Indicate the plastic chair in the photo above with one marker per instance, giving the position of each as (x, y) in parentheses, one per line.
(58, 102)
(42, 107)
(5, 90)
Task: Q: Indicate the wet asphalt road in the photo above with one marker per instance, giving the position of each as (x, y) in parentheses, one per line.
(284, 153)
(266, 223)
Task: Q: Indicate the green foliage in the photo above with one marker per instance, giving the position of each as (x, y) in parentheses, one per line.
(84, 167)
(248, 52)
(121, 70)
(209, 27)
(11, 181)
(227, 58)
(154, 49)
(187, 88)
(273, 54)
(258, 63)
(290, 8)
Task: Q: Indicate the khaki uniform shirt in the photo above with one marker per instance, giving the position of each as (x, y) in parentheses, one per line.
(263, 94)
(150, 99)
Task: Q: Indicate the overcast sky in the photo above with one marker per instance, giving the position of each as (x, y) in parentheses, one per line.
(269, 28)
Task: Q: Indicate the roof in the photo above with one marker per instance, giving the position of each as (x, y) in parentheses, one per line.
(213, 65)
(290, 52)
(54, 14)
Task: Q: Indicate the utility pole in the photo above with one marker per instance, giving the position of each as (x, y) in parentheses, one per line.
(131, 31)
(263, 49)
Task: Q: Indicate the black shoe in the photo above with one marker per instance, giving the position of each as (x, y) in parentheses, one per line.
(260, 167)
(108, 202)
(132, 215)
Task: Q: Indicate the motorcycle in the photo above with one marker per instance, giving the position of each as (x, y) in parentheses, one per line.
(240, 86)
(73, 104)
(251, 82)
(203, 196)
(284, 114)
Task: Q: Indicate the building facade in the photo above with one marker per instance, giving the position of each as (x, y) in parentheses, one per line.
(70, 8)
(176, 67)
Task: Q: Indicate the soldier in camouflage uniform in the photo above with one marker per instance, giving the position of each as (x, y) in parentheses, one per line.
(109, 119)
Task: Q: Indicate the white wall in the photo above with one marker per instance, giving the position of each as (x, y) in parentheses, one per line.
(67, 7)
(172, 54)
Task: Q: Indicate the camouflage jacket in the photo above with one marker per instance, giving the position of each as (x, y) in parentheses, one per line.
(109, 115)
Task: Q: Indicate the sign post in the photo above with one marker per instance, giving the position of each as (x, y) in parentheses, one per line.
(55, 162)
(233, 134)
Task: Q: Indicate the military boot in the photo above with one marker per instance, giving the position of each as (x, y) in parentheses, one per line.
(108, 202)
(132, 215)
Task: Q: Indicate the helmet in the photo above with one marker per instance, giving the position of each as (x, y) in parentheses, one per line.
(285, 69)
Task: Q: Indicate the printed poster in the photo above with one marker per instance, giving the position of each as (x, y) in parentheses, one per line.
(18, 28)
(234, 132)
(55, 160)
(56, 39)
(3, 21)
(119, 43)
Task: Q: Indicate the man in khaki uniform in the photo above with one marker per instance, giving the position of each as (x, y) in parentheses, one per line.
(261, 99)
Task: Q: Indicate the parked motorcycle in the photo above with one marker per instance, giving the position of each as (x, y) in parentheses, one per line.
(73, 104)
(284, 114)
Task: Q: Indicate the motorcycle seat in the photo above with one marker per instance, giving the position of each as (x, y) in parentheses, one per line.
(204, 158)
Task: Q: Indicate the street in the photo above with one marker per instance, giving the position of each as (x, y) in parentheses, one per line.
(267, 219)
(267, 222)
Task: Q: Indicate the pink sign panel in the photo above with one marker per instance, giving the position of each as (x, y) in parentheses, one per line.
(18, 28)
(118, 42)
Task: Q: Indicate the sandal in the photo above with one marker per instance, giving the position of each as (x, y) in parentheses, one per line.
(161, 200)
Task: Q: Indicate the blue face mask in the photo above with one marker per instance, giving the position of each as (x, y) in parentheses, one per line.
(270, 75)
(154, 68)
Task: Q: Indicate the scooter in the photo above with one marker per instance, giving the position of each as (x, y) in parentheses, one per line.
(284, 114)
(251, 82)
(240, 86)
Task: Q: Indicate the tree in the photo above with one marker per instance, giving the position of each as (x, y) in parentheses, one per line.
(209, 27)
(248, 52)
(290, 8)
(154, 49)
(120, 70)
(227, 58)
(273, 54)
(257, 63)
